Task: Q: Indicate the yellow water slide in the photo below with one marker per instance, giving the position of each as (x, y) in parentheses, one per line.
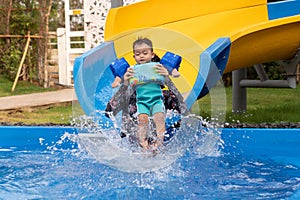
(234, 34)
(255, 37)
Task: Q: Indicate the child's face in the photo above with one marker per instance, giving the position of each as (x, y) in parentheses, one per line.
(142, 53)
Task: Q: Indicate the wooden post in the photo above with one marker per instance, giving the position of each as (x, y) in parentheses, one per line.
(21, 63)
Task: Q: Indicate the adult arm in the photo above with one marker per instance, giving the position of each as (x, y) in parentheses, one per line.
(182, 106)
(169, 83)
(120, 100)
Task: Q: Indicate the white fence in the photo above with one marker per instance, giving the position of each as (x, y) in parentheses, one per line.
(94, 15)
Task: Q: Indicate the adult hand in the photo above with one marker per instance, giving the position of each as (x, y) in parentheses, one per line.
(128, 75)
(161, 70)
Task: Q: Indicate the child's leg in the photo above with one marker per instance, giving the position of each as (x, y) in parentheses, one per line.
(143, 125)
(159, 120)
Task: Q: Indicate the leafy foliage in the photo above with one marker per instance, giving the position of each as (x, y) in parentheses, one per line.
(273, 70)
(18, 18)
(10, 60)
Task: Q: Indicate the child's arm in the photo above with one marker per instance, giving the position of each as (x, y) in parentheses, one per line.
(118, 68)
(172, 62)
(117, 82)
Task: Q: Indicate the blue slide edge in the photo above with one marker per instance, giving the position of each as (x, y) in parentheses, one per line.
(283, 9)
(89, 70)
(213, 62)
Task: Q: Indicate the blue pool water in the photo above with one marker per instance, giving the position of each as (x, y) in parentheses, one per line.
(49, 163)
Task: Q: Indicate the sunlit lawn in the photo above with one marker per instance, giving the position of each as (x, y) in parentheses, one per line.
(271, 105)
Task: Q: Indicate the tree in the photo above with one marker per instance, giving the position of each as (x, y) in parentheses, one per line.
(18, 18)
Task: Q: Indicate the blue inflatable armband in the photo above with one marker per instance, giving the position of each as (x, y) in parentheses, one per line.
(145, 73)
(119, 67)
(171, 61)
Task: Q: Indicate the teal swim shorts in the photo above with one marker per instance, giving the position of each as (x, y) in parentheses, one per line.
(149, 99)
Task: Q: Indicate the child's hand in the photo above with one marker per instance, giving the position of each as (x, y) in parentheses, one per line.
(161, 70)
(128, 75)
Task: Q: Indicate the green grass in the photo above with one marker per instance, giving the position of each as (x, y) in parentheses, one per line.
(272, 105)
(58, 114)
(22, 87)
(42, 115)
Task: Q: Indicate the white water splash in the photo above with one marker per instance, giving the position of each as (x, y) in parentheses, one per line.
(107, 147)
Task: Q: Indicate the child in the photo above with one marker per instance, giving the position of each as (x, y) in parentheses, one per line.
(124, 100)
(148, 96)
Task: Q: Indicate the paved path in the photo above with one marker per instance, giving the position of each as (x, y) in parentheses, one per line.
(37, 99)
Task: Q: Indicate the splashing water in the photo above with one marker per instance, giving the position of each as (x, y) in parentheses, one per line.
(107, 147)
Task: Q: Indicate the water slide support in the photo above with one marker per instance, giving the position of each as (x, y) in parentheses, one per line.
(239, 93)
(240, 83)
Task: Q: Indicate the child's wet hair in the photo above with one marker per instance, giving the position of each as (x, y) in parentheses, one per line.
(148, 42)
(142, 40)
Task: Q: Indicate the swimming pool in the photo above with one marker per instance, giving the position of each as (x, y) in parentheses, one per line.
(47, 163)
